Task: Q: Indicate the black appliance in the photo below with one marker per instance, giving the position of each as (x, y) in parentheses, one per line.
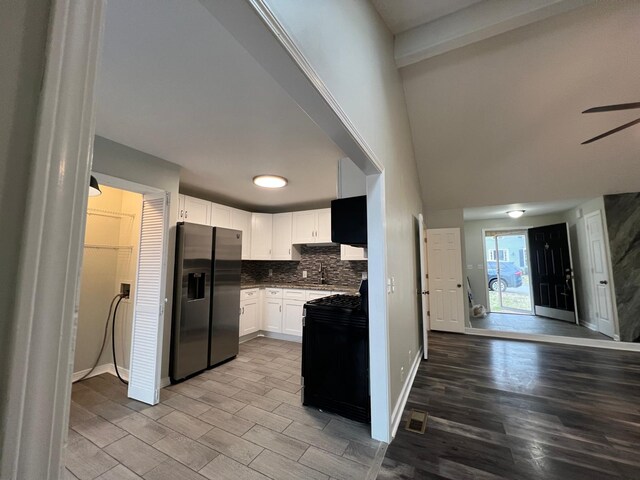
(205, 326)
(349, 221)
(335, 356)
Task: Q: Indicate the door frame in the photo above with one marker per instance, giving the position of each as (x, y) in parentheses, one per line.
(45, 314)
(120, 183)
(484, 259)
(612, 290)
(424, 284)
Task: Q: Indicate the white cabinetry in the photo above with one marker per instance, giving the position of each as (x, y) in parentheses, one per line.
(323, 229)
(282, 248)
(197, 210)
(249, 316)
(273, 314)
(347, 252)
(292, 316)
(180, 207)
(220, 216)
(304, 226)
(312, 226)
(261, 236)
(241, 220)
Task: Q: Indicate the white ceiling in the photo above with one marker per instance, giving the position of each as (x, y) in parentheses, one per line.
(531, 209)
(174, 83)
(402, 15)
(500, 122)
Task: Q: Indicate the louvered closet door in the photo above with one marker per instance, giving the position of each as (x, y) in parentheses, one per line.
(144, 377)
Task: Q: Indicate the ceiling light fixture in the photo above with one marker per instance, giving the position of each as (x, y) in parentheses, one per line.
(515, 213)
(94, 188)
(270, 181)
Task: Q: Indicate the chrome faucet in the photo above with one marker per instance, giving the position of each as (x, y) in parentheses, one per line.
(323, 279)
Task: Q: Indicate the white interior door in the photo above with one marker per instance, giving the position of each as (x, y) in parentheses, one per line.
(600, 274)
(445, 280)
(424, 284)
(148, 314)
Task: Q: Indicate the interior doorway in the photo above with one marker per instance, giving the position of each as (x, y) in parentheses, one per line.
(508, 270)
(121, 295)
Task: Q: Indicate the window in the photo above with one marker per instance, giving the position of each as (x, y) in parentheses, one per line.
(502, 255)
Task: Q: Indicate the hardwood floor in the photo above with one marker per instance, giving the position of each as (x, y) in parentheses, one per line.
(511, 322)
(502, 409)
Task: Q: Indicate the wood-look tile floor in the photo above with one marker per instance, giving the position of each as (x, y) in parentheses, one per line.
(241, 420)
(503, 409)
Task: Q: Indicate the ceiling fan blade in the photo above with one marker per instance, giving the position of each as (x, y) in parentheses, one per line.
(613, 108)
(610, 132)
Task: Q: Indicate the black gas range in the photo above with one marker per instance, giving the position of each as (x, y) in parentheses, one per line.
(335, 356)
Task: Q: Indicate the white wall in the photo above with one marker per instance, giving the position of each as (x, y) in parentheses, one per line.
(102, 272)
(120, 161)
(474, 246)
(351, 50)
(499, 121)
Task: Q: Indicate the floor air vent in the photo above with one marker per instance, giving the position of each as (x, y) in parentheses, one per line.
(417, 421)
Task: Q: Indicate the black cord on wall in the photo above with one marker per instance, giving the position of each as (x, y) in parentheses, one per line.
(113, 339)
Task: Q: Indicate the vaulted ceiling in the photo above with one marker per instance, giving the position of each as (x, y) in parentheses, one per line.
(174, 83)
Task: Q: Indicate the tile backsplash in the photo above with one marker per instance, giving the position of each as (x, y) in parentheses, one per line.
(337, 272)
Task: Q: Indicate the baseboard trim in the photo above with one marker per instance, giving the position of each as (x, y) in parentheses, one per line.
(590, 326)
(249, 336)
(280, 336)
(100, 369)
(396, 416)
(578, 342)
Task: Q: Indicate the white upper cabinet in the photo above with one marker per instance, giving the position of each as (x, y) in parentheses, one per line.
(220, 216)
(197, 210)
(241, 220)
(323, 229)
(180, 204)
(304, 226)
(347, 252)
(261, 236)
(282, 248)
(312, 226)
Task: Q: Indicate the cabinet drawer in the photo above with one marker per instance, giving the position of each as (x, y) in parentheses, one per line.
(290, 294)
(249, 293)
(313, 294)
(273, 292)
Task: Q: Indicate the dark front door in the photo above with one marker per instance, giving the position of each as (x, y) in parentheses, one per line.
(551, 272)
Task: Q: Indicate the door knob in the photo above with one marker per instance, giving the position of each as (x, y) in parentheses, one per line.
(459, 285)
(603, 282)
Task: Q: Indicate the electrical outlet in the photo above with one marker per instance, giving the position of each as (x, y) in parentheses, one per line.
(271, 272)
(304, 274)
(125, 289)
(402, 374)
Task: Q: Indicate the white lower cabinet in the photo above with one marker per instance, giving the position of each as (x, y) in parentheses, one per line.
(292, 317)
(272, 315)
(249, 316)
(275, 310)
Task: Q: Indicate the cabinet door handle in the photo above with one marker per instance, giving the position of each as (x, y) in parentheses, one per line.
(181, 213)
(280, 307)
(185, 214)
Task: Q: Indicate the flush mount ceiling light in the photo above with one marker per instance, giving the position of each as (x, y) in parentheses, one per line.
(270, 181)
(94, 188)
(515, 213)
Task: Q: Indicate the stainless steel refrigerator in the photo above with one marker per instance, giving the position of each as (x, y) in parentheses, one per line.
(206, 298)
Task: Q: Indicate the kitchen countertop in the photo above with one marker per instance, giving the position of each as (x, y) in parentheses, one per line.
(301, 286)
